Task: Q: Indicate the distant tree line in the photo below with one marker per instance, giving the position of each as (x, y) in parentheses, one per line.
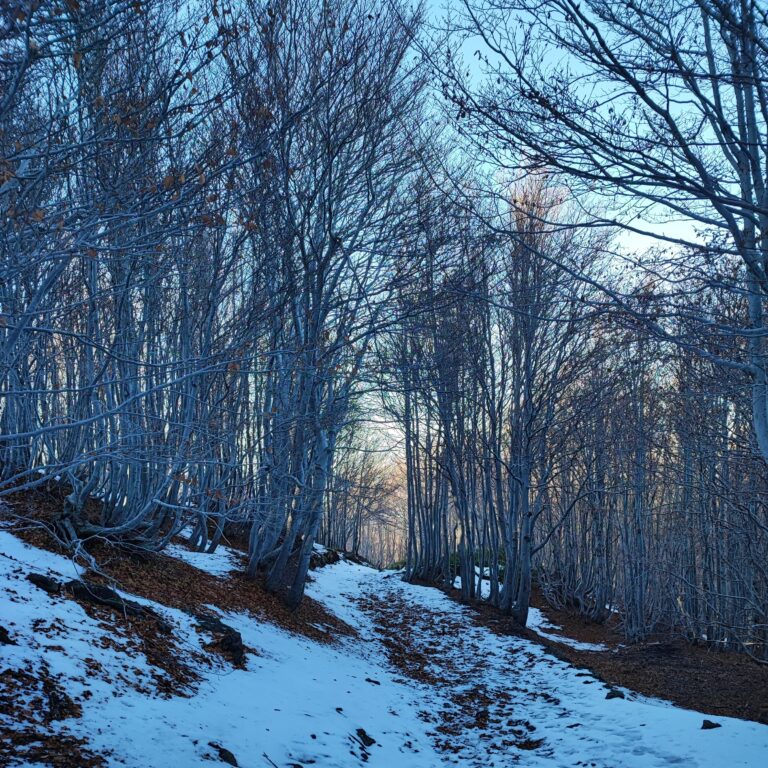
(550, 439)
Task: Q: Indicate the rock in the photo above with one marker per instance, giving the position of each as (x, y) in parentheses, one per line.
(5, 638)
(208, 622)
(224, 754)
(319, 559)
(46, 583)
(372, 681)
(614, 694)
(225, 638)
(365, 739)
(100, 595)
(708, 725)
(232, 645)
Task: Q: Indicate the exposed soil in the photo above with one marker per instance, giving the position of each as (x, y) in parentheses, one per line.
(173, 669)
(716, 683)
(707, 680)
(132, 631)
(33, 699)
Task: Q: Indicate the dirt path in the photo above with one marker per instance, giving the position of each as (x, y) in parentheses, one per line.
(478, 713)
(492, 700)
(403, 677)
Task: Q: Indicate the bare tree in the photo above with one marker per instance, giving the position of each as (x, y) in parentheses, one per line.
(656, 109)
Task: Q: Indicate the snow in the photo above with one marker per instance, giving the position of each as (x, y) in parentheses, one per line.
(538, 622)
(299, 702)
(221, 562)
(581, 727)
(485, 585)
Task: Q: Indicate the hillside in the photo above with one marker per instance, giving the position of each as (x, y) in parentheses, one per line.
(372, 671)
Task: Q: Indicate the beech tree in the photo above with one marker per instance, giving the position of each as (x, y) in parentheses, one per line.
(203, 205)
(335, 81)
(228, 232)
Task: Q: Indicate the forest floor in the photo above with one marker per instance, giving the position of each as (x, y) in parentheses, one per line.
(198, 667)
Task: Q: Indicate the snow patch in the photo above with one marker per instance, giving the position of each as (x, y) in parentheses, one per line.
(538, 622)
(221, 562)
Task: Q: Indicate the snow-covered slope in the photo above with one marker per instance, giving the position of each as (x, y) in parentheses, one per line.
(482, 700)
